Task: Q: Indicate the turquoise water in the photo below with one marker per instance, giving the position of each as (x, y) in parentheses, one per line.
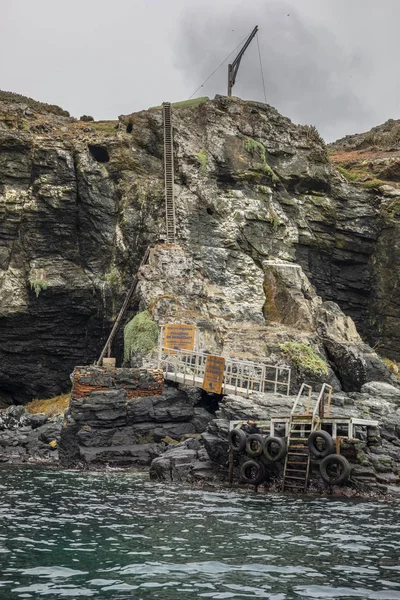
(117, 535)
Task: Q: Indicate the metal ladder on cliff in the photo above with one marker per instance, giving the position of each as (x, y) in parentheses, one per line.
(301, 425)
(169, 173)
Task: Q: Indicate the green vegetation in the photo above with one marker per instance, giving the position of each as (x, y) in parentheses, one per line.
(263, 190)
(38, 282)
(51, 407)
(112, 277)
(273, 218)
(392, 210)
(185, 103)
(393, 366)
(140, 335)
(373, 183)
(203, 160)
(86, 118)
(313, 134)
(304, 357)
(257, 149)
(33, 104)
(349, 176)
(361, 177)
(105, 126)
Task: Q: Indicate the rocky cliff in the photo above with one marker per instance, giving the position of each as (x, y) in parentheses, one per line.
(274, 242)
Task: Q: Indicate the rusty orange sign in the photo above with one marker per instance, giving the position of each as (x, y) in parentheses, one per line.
(178, 336)
(214, 374)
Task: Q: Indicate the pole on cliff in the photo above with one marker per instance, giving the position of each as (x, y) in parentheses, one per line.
(117, 322)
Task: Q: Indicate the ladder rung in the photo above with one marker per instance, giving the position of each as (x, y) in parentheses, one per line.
(292, 477)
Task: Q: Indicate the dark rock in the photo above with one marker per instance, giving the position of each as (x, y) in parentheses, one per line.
(355, 365)
(133, 454)
(381, 389)
(216, 447)
(101, 409)
(35, 420)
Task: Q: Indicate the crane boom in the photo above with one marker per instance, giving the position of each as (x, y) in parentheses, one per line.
(234, 67)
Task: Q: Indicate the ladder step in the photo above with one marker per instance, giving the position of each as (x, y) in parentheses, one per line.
(292, 477)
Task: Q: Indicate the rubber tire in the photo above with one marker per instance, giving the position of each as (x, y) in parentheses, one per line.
(260, 472)
(237, 440)
(282, 452)
(344, 475)
(329, 445)
(255, 437)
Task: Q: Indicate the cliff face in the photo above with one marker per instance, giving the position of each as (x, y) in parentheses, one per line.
(79, 202)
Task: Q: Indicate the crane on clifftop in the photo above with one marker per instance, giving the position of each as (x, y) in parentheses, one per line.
(234, 66)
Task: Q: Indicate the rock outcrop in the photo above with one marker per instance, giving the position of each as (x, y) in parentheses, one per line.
(28, 438)
(123, 417)
(374, 458)
(270, 235)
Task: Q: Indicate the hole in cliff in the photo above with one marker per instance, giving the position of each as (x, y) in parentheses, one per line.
(129, 128)
(99, 153)
(210, 211)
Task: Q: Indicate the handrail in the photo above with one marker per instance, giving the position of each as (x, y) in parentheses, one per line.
(303, 385)
(240, 376)
(321, 399)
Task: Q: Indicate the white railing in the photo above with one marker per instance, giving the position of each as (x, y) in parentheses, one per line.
(241, 377)
(321, 398)
(299, 395)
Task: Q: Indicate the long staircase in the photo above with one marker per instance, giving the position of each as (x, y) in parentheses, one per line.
(301, 425)
(169, 174)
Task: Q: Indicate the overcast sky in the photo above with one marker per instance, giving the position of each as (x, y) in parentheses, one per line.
(331, 63)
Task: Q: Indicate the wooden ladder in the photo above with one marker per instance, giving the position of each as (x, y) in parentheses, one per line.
(297, 463)
(169, 174)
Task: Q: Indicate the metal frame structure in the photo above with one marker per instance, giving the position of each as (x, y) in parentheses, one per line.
(241, 377)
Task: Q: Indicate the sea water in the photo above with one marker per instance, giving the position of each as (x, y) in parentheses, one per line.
(117, 535)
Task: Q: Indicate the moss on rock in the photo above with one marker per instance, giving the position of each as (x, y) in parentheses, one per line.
(304, 357)
(140, 335)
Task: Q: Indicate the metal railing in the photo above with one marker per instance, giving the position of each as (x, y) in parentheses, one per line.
(319, 409)
(241, 377)
(299, 395)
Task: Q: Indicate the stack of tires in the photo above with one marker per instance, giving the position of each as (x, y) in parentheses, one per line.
(334, 468)
(261, 450)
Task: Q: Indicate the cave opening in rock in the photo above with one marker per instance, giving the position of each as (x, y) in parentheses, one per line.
(129, 128)
(99, 153)
(210, 211)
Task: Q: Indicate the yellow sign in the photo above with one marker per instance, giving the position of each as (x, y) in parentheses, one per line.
(214, 374)
(179, 337)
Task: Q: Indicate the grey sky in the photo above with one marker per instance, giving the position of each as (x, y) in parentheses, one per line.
(332, 63)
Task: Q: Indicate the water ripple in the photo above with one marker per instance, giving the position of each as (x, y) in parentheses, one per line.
(117, 535)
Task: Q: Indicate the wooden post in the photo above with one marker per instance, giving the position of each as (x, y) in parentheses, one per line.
(230, 468)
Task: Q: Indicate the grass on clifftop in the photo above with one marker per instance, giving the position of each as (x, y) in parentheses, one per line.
(140, 335)
(184, 103)
(51, 407)
(12, 97)
(304, 357)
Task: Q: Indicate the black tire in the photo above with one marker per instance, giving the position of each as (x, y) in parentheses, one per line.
(329, 446)
(340, 464)
(237, 440)
(252, 472)
(255, 445)
(269, 451)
